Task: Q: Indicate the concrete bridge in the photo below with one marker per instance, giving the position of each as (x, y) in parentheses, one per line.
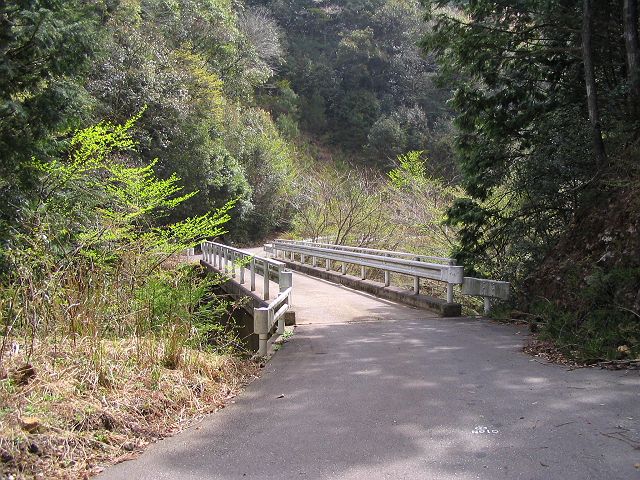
(368, 388)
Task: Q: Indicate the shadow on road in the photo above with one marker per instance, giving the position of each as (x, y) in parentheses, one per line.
(421, 398)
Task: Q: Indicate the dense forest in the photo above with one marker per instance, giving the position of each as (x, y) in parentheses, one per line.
(502, 133)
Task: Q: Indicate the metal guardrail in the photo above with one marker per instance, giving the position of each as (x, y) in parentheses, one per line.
(373, 251)
(487, 289)
(387, 261)
(229, 260)
(419, 266)
(265, 318)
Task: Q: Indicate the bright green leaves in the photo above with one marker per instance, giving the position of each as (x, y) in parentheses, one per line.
(411, 168)
(119, 206)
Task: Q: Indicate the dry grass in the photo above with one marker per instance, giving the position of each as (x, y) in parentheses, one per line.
(87, 407)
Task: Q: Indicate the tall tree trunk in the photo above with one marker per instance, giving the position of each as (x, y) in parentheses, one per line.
(590, 82)
(632, 45)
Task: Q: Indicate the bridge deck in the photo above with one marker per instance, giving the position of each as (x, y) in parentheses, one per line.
(367, 389)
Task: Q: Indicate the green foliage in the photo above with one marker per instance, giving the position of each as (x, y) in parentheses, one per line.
(90, 258)
(410, 169)
(194, 64)
(179, 301)
(357, 71)
(524, 137)
(44, 46)
(420, 202)
(267, 160)
(130, 199)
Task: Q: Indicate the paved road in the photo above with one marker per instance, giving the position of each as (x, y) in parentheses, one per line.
(367, 389)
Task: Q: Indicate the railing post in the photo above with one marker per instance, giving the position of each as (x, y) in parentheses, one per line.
(252, 271)
(450, 285)
(313, 261)
(234, 257)
(344, 268)
(302, 259)
(327, 263)
(363, 272)
(416, 281)
(261, 328)
(487, 305)
(242, 265)
(285, 280)
(387, 275)
(280, 328)
(449, 292)
(265, 273)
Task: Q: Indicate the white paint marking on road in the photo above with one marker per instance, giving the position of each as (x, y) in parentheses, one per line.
(484, 430)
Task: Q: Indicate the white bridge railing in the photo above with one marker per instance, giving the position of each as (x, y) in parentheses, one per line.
(236, 263)
(418, 266)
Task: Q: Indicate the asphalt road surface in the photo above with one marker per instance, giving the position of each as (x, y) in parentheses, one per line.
(368, 389)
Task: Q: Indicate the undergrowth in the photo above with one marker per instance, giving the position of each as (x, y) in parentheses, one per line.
(73, 417)
(107, 341)
(602, 324)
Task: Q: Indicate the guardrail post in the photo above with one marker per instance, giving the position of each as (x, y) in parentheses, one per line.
(242, 265)
(234, 259)
(487, 305)
(252, 273)
(327, 264)
(261, 328)
(313, 262)
(449, 292)
(450, 285)
(265, 273)
(280, 327)
(344, 268)
(302, 258)
(416, 281)
(285, 280)
(387, 275)
(363, 272)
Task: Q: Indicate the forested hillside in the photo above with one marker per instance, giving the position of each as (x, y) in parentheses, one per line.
(359, 81)
(546, 100)
(192, 65)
